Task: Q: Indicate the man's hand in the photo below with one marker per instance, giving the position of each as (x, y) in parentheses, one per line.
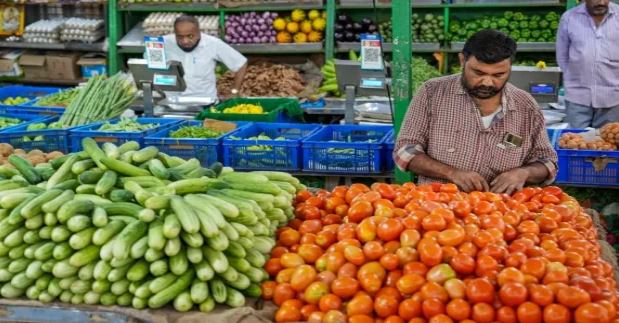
(468, 181)
(510, 181)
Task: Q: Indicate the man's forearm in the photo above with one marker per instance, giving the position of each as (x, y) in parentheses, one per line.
(537, 173)
(425, 165)
(239, 76)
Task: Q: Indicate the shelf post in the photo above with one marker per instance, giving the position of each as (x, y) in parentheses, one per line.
(571, 4)
(401, 12)
(330, 30)
(114, 28)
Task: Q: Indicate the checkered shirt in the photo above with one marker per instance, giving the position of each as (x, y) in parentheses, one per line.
(444, 123)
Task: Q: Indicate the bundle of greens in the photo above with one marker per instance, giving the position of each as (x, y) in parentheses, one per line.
(127, 125)
(60, 99)
(422, 71)
(520, 26)
(101, 99)
(196, 132)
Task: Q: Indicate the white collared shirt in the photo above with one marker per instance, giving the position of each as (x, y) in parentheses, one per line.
(199, 64)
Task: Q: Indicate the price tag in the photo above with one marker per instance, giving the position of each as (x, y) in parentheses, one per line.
(371, 53)
(155, 52)
(164, 80)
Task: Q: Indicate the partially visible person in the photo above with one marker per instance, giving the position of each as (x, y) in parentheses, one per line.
(588, 54)
(475, 129)
(199, 54)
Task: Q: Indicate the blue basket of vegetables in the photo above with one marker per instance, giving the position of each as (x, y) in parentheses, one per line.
(266, 146)
(351, 149)
(14, 96)
(191, 139)
(49, 105)
(9, 121)
(45, 134)
(119, 131)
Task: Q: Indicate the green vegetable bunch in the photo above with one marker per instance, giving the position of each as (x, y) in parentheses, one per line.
(100, 99)
(195, 132)
(426, 28)
(60, 99)
(38, 127)
(261, 136)
(422, 71)
(8, 122)
(127, 125)
(520, 26)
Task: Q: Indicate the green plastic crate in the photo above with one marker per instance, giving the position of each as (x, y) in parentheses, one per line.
(277, 110)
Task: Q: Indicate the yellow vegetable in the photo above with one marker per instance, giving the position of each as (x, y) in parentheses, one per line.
(541, 65)
(244, 109)
(297, 15)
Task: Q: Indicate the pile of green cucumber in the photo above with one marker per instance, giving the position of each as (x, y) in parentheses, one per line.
(120, 225)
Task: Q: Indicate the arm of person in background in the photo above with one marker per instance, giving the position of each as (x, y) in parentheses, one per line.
(409, 152)
(563, 44)
(239, 76)
(540, 166)
(234, 61)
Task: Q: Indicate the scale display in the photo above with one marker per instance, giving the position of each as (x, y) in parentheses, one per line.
(542, 88)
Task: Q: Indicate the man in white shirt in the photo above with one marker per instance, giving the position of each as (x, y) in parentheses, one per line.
(199, 54)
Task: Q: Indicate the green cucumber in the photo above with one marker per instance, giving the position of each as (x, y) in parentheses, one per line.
(123, 167)
(91, 176)
(25, 169)
(171, 226)
(156, 238)
(105, 234)
(110, 150)
(99, 217)
(82, 166)
(62, 173)
(106, 183)
(73, 207)
(171, 292)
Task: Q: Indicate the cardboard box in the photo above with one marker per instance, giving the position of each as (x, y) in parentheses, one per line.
(34, 66)
(8, 63)
(92, 65)
(62, 66)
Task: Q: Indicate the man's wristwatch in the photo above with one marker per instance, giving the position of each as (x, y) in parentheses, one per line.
(234, 91)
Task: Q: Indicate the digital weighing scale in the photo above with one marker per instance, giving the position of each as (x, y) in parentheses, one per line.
(542, 84)
(365, 78)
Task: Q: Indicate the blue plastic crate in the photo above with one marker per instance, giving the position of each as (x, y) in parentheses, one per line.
(390, 146)
(25, 118)
(551, 135)
(47, 140)
(207, 151)
(345, 149)
(388, 151)
(576, 167)
(283, 155)
(30, 92)
(120, 137)
(32, 107)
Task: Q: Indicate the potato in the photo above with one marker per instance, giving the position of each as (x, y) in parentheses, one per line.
(610, 133)
(36, 152)
(53, 155)
(6, 149)
(36, 159)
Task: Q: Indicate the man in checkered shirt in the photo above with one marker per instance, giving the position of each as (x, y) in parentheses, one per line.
(475, 129)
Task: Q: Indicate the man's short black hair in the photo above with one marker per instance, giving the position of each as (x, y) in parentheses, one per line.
(490, 46)
(187, 18)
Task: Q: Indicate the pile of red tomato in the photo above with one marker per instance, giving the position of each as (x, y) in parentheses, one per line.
(391, 253)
